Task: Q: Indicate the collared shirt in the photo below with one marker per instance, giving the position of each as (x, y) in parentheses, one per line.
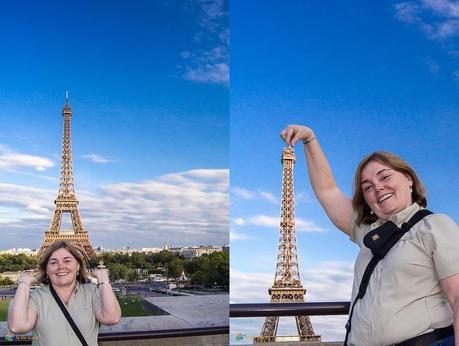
(404, 298)
(53, 329)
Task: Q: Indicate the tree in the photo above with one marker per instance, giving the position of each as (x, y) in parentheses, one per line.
(5, 281)
(175, 268)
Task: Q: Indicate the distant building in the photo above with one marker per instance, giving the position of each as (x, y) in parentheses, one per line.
(197, 251)
(17, 251)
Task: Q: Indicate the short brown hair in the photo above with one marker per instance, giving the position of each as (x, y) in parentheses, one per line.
(61, 244)
(364, 215)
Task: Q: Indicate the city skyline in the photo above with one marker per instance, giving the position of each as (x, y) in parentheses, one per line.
(148, 87)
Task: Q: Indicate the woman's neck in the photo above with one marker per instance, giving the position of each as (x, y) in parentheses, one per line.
(65, 291)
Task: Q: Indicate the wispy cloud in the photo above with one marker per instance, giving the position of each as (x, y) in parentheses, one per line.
(246, 194)
(235, 236)
(329, 281)
(10, 159)
(438, 19)
(208, 61)
(301, 225)
(96, 158)
(183, 208)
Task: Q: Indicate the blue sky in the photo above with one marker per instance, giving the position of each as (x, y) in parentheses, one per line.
(367, 76)
(148, 86)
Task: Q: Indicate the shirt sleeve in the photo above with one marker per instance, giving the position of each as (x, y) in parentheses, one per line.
(440, 236)
(33, 301)
(357, 232)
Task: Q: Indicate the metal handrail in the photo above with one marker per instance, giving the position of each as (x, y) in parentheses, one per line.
(289, 309)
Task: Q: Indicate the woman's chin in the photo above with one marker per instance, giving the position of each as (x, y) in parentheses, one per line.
(62, 281)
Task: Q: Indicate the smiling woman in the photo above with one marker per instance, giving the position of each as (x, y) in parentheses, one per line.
(62, 271)
(417, 275)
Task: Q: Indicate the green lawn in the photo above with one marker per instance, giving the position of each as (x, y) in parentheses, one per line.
(131, 305)
(4, 304)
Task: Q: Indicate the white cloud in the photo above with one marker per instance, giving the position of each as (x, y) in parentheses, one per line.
(242, 193)
(235, 236)
(10, 160)
(179, 209)
(246, 194)
(301, 225)
(209, 61)
(268, 196)
(407, 12)
(96, 158)
(437, 18)
(445, 8)
(448, 28)
(239, 221)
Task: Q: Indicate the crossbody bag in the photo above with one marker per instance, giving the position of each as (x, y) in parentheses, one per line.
(67, 315)
(380, 241)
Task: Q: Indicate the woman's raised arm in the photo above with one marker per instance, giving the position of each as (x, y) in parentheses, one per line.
(337, 206)
(21, 319)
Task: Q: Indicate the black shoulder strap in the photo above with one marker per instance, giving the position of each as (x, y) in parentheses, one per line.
(67, 315)
(406, 226)
(420, 214)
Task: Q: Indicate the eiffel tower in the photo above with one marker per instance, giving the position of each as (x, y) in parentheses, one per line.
(287, 286)
(66, 201)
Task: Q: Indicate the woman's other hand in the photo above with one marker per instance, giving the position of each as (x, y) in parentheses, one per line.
(101, 275)
(294, 133)
(29, 277)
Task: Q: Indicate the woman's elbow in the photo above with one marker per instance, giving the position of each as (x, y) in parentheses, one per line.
(111, 319)
(18, 328)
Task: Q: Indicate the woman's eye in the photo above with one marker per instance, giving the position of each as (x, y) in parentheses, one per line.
(385, 177)
(367, 188)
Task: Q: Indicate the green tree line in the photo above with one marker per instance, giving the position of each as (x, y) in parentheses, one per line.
(15, 263)
(207, 270)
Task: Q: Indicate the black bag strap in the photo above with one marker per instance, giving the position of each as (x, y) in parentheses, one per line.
(406, 226)
(67, 316)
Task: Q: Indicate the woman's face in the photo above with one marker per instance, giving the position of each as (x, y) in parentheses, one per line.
(385, 190)
(62, 268)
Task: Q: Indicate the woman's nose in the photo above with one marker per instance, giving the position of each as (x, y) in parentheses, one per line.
(379, 186)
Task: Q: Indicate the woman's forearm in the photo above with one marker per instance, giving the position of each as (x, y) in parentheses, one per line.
(111, 310)
(319, 171)
(19, 311)
(337, 206)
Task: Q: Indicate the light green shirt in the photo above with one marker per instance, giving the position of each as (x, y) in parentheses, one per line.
(53, 329)
(404, 298)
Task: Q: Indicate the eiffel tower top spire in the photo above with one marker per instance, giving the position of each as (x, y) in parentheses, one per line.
(66, 187)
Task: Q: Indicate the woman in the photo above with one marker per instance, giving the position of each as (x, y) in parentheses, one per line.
(406, 301)
(63, 268)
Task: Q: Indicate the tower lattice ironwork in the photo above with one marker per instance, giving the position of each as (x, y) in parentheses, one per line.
(287, 287)
(66, 201)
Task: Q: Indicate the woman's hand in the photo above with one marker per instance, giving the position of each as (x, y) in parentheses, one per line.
(294, 133)
(100, 274)
(29, 278)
